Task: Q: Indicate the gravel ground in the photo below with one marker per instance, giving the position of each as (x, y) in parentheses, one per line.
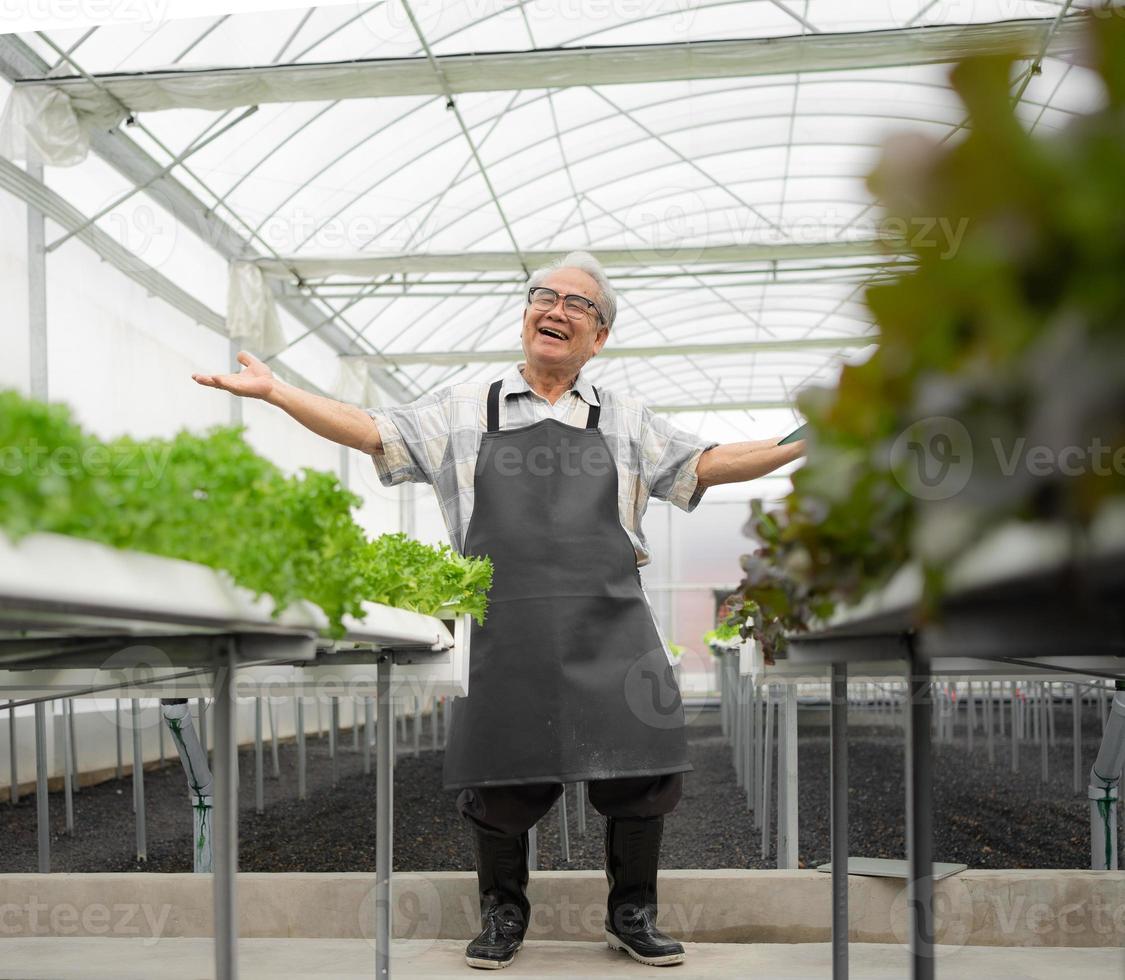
(985, 815)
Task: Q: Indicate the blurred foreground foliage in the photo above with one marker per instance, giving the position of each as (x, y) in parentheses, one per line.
(997, 392)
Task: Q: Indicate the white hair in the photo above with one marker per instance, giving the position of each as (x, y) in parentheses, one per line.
(584, 262)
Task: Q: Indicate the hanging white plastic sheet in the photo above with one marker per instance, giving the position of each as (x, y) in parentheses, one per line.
(355, 384)
(252, 310)
(39, 125)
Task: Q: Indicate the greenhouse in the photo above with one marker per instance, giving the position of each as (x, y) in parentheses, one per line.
(576, 488)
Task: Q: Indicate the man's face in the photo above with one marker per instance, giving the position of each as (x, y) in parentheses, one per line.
(578, 340)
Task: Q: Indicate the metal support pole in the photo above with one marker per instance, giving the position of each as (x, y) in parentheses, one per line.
(417, 726)
(434, 725)
(36, 294)
(1051, 714)
(564, 827)
(580, 787)
(724, 707)
(989, 725)
(333, 724)
(919, 819)
(1076, 735)
(273, 740)
(755, 753)
(747, 709)
(139, 781)
(368, 718)
(1015, 733)
(384, 814)
(42, 810)
(13, 757)
(787, 780)
(119, 771)
(355, 724)
(739, 724)
(838, 776)
(68, 772)
(533, 849)
(160, 741)
(1044, 740)
(259, 773)
(225, 818)
(969, 715)
(70, 726)
(299, 711)
(767, 777)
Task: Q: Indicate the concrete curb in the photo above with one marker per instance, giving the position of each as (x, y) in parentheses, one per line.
(1047, 908)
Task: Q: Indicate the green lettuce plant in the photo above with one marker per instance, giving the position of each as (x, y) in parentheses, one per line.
(211, 499)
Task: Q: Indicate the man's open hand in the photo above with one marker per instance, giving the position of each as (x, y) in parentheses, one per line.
(255, 380)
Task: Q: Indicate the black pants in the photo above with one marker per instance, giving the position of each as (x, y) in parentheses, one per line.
(514, 809)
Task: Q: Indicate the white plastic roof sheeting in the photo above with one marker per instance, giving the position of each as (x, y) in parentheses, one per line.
(562, 158)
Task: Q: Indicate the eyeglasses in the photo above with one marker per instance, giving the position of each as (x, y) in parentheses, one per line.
(576, 307)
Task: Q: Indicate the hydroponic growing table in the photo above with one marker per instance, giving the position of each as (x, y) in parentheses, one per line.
(1021, 597)
(78, 618)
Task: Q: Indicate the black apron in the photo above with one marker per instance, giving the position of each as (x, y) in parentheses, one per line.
(568, 679)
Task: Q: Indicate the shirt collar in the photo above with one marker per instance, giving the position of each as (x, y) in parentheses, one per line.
(513, 383)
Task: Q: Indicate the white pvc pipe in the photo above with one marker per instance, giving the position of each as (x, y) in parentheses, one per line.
(1105, 778)
(200, 783)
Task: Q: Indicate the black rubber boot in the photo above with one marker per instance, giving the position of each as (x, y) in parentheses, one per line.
(632, 856)
(504, 909)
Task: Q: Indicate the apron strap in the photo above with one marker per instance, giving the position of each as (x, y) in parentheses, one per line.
(593, 413)
(494, 406)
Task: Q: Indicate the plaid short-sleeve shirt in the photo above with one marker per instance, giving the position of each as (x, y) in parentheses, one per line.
(436, 438)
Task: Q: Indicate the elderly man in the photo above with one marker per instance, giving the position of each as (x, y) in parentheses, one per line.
(569, 680)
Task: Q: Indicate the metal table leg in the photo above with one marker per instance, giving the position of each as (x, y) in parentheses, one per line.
(120, 770)
(42, 809)
(225, 837)
(273, 740)
(838, 776)
(333, 725)
(368, 718)
(1076, 735)
(384, 811)
(139, 782)
(74, 781)
(299, 709)
(564, 828)
(259, 774)
(580, 794)
(767, 775)
(68, 767)
(13, 757)
(919, 819)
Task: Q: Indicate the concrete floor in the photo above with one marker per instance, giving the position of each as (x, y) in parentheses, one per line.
(179, 959)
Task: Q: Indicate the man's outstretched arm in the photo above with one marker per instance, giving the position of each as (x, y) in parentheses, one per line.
(736, 462)
(334, 420)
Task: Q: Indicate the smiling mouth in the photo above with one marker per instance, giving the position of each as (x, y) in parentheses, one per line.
(550, 332)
